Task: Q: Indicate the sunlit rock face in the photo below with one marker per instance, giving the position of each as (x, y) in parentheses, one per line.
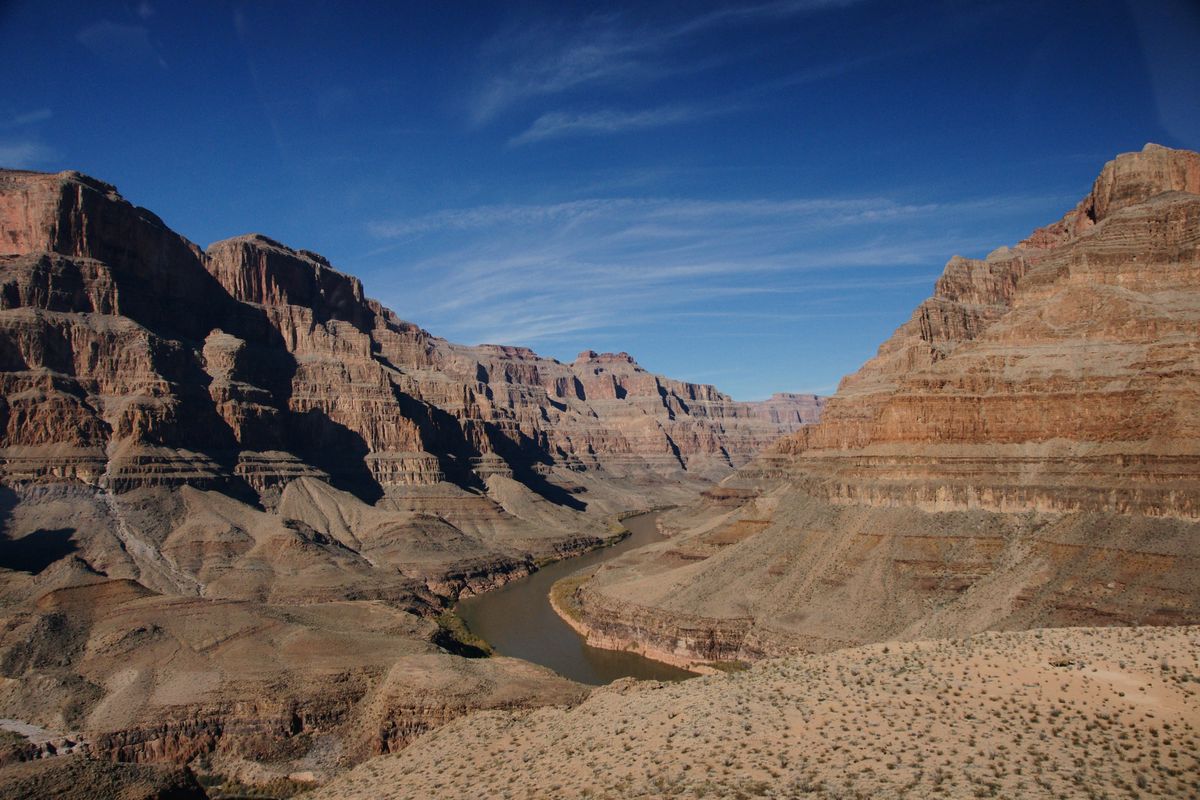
(1080, 353)
(235, 492)
(1024, 451)
(133, 355)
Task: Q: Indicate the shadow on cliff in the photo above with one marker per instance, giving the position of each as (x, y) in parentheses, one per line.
(269, 365)
(526, 473)
(523, 458)
(161, 281)
(337, 450)
(444, 435)
(457, 444)
(36, 550)
(164, 284)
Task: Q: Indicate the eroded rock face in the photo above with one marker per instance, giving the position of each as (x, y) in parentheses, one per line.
(1025, 451)
(80, 778)
(121, 335)
(133, 361)
(151, 678)
(234, 490)
(1080, 355)
(1127, 180)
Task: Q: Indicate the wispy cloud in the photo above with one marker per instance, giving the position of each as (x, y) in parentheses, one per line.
(25, 149)
(461, 219)
(547, 272)
(24, 154)
(823, 72)
(529, 61)
(23, 118)
(557, 124)
(639, 216)
(114, 41)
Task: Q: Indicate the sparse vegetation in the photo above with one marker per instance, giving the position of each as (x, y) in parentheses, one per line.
(455, 637)
(562, 595)
(985, 716)
(219, 787)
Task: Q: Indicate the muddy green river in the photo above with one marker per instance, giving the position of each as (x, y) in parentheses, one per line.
(517, 620)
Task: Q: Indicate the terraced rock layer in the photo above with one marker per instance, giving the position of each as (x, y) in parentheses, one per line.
(1024, 452)
(235, 492)
(133, 358)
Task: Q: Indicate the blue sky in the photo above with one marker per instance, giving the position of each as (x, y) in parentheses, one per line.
(751, 195)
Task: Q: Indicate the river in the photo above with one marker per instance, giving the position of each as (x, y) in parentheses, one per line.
(517, 620)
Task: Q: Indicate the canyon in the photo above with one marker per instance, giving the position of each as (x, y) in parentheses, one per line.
(1023, 453)
(239, 496)
(240, 500)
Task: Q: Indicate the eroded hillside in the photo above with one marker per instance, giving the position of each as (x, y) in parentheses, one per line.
(236, 493)
(1024, 452)
(1061, 713)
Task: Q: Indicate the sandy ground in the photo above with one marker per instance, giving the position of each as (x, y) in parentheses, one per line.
(1065, 713)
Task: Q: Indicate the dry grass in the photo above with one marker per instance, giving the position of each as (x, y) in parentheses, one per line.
(1057, 713)
(562, 595)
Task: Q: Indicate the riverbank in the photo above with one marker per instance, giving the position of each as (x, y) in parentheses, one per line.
(564, 601)
(519, 620)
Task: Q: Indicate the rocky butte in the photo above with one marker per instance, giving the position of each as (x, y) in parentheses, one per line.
(237, 493)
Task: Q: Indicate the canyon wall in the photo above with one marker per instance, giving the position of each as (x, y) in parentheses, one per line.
(236, 492)
(1023, 452)
(249, 364)
(132, 361)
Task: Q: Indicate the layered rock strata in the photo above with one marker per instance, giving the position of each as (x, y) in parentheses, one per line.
(235, 491)
(292, 688)
(133, 358)
(131, 361)
(1025, 451)
(88, 779)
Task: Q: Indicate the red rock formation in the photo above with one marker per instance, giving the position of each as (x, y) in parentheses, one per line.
(233, 467)
(1084, 349)
(134, 358)
(1025, 451)
(1128, 180)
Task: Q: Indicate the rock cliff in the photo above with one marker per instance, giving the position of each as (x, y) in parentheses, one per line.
(1024, 452)
(134, 358)
(217, 465)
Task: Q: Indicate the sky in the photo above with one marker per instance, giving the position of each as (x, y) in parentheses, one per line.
(753, 195)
